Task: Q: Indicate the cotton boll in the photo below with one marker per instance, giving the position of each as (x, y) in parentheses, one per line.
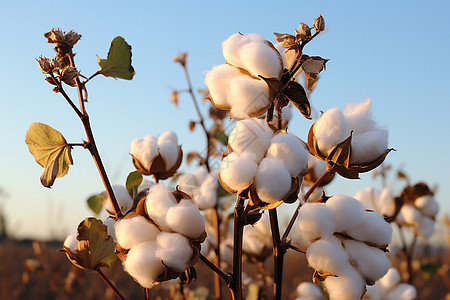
(425, 227)
(263, 227)
(348, 286)
(168, 136)
(123, 199)
(316, 220)
(233, 45)
(252, 243)
(388, 281)
(386, 202)
(142, 264)
(348, 211)
(174, 250)
(185, 218)
(248, 96)
(368, 146)
(135, 230)
(169, 152)
(158, 202)
(403, 291)
(372, 228)
(208, 196)
(409, 215)
(330, 130)
(251, 135)
(359, 117)
(371, 262)
(71, 242)
(189, 184)
(217, 81)
(109, 223)
(290, 151)
(261, 59)
(368, 198)
(144, 150)
(309, 290)
(237, 170)
(372, 293)
(272, 180)
(328, 256)
(427, 204)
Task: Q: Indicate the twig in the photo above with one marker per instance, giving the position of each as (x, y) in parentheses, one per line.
(109, 283)
(278, 255)
(216, 270)
(235, 285)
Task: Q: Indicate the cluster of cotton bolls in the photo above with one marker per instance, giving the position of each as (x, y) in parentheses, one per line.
(236, 85)
(201, 186)
(268, 161)
(308, 291)
(160, 156)
(389, 287)
(382, 202)
(369, 142)
(345, 244)
(419, 215)
(258, 239)
(161, 240)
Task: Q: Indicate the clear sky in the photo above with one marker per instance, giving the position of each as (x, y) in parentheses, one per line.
(392, 51)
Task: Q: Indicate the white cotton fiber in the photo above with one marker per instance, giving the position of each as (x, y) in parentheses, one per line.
(291, 151)
(373, 229)
(251, 135)
(371, 262)
(309, 290)
(425, 227)
(272, 180)
(237, 170)
(316, 220)
(186, 219)
(330, 130)
(372, 293)
(248, 96)
(71, 242)
(135, 230)
(217, 81)
(408, 215)
(188, 183)
(368, 198)
(359, 117)
(144, 150)
(169, 152)
(208, 197)
(428, 205)
(109, 223)
(403, 291)
(168, 136)
(368, 146)
(348, 211)
(253, 243)
(287, 56)
(263, 227)
(174, 250)
(158, 202)
(348, 286)
(328, 256)
(389, 280)
(142, 264)
(261, 59)
(123, 200)
(386, 202)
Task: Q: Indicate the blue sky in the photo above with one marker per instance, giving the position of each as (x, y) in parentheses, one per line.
(394, 53)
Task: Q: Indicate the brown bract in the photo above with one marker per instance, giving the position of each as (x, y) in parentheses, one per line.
(157, 166)
(56, 36)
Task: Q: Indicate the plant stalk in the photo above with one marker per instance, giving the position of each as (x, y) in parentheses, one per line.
(109, 283)
(278, 255)
(235, 285)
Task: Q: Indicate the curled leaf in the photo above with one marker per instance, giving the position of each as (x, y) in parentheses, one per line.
(295, 93)
(118, 62)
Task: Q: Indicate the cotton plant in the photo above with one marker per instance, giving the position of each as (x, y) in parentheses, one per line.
(308, 291)
(383, 202)
(345, 244)
(257, 242)
(201, 186)
(390, 287)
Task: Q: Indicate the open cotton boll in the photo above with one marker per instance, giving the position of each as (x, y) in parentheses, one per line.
(232, 47)
(348, 286)
(260, 59)
(403, 291)
(251, 135)
(373, 229)
(109, 223)
(328, 256)
(330, 130)
(158, 202)
(71, 242)
(316, 220)
(425, 227)
(389, 280)
(135, 230)
(123, 199)
(247, 96)
(408, 215)
(169, 152)
(368, 146)
(427, 204)
(168, 136)
(290, 151)
(386, 202)
(308, 290)
(252, 244)
(359, 117)
(174, 250)
(263, 227)
(237, 170)
(188, 183)
(185, 218)
(348, 211)
(144, 150)
(142, 264)
(371, 262)
(368, 198)
(372, 293)
(208, 197)
(272, 180)
(217, 81)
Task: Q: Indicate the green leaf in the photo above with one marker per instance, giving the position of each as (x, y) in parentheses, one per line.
(221, 137)
(95, 203)
(118, 62)
(134, 179)
(51, 151)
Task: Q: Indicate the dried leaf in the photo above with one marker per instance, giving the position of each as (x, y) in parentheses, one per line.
(313, 64)
(297, 95)
(51, 151)
(118, 62)
(95, 203)
(275, 86)
(286, 40)
(311, 80)
(192, 125)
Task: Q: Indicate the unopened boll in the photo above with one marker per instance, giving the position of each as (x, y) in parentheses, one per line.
(185, 218)
(174, 250)
(122, 197)
(132, 231)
